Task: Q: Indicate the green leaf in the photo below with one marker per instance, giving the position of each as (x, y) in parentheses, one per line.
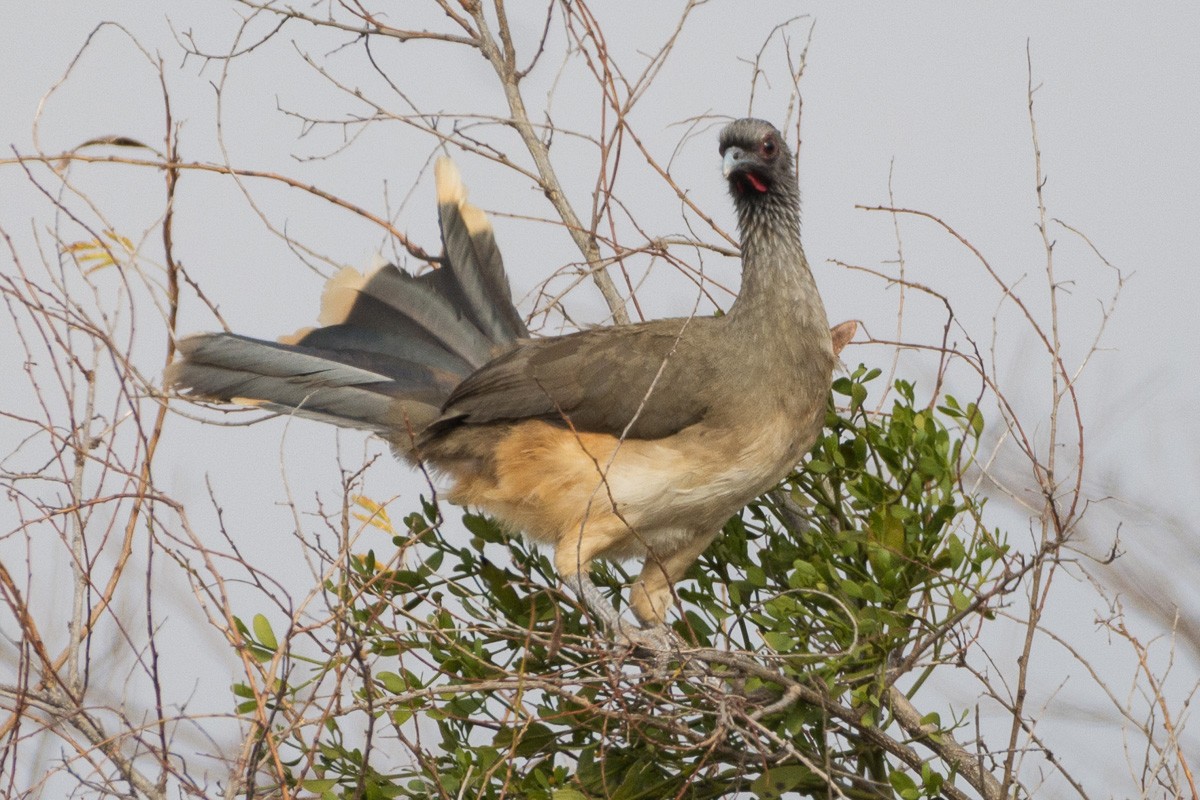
(484, 528)
(779, 642)
(954, 547)
(931, 780)
(262, 630)
(392, 682)
(525, 741)
(904, 785)
(858, 394)
(852, 588)
(960, 600)
(803, 575)
(819, 467)
(319, 785)
(776, 782)
(976, 418)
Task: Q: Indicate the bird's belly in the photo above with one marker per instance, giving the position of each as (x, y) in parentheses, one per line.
(717, 476)
(640, 494)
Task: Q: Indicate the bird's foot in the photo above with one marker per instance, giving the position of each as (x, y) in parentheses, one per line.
(658, 639)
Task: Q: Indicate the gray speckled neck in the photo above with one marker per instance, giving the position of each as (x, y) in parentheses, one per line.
(778, 300)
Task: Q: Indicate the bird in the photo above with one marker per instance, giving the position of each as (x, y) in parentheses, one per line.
(621, 442)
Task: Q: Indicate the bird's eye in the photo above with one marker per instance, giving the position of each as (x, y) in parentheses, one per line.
(768, 147)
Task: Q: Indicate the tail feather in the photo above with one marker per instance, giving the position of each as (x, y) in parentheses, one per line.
(352, 389)
(391, 303)
(351, 339)
(474, 258)
(391, 347)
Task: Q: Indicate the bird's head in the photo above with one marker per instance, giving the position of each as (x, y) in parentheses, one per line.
(757, 162)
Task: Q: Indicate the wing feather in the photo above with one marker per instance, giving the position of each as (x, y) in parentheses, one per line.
(643, 381)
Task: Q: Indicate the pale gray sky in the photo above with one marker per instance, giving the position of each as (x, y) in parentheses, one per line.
(933, 93)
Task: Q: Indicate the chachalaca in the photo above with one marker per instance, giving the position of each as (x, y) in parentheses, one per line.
(619, 442)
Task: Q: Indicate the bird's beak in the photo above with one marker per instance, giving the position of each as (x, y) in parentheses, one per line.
(732, 156)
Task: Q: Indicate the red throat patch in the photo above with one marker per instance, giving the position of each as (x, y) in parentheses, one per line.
(754, 181)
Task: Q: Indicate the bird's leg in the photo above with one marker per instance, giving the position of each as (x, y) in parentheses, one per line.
(612, 620)
(657, 637)
(651, 597)
(573, 556)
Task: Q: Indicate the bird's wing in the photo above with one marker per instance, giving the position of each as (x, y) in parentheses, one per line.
(643, 381)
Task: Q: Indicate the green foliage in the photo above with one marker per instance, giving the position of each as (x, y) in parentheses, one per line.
(871, 544)
(474, 675)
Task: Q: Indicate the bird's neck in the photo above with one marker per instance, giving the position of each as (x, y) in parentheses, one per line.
(778, 296)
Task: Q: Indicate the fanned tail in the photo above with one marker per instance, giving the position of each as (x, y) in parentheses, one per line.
(390, 346)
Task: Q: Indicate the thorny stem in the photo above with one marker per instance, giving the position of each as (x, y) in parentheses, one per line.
(1156, 691)
(943, 744)
(67, 696)
(503, 60)
(79, 571)
(1052, 527)
(168, 233)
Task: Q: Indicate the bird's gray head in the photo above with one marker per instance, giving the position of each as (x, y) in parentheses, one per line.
(757, 162)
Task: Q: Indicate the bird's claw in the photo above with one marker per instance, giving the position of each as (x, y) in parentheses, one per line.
(658, 639)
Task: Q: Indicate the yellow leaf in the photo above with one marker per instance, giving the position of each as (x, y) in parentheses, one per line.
(98, 253)
(378, 516)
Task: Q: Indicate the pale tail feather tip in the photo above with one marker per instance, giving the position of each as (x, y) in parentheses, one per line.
(339, 295)
(450, 187)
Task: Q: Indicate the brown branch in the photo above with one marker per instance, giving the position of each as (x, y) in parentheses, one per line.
(1159, 696)
(498, 55)
(950, 751)
(194, 166)
(943, 744)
